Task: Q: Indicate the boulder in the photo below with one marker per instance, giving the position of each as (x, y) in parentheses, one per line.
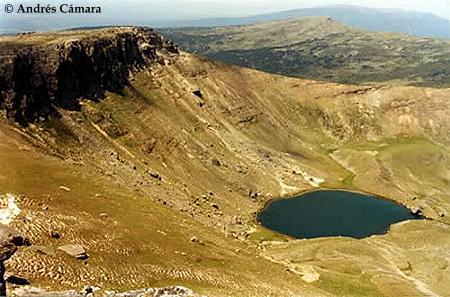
(74, 250)
(10, 241)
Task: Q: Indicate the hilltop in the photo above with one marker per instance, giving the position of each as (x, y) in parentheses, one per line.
(323, 49)
(158, 178)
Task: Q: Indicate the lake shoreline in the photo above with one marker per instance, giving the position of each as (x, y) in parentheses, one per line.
(404, 212)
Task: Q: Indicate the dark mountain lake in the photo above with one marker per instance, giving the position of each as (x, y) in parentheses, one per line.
(332, 213)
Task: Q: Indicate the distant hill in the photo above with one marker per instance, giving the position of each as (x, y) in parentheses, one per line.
(379, 20)
(372, 19)
(323, 49)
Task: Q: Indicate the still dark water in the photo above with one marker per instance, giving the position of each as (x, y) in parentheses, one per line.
(332, 213)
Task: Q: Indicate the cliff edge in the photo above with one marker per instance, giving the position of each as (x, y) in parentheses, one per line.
(39, 72)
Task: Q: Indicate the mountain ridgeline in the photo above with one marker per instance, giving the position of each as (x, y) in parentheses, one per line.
(366, 18)
(323, 49)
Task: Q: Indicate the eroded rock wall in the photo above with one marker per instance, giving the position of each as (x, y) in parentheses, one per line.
(37, 78)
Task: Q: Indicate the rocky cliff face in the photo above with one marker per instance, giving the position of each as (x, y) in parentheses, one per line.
(10, 241)
(37, 76)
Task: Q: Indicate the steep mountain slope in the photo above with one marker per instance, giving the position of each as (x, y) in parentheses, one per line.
(321, 48)
(153, 179)
(366, 18)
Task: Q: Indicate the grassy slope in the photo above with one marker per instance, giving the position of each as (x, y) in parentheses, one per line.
(261, 136)
(323, 49)
(141, 243)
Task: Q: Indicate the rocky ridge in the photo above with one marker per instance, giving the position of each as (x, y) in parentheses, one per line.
(37, 76)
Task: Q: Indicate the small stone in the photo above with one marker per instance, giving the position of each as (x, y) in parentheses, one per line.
(416, 210)
(55, 234)
(87, 290)
(253, 195)
(103, 216)
(198, 93)
(43, 250)
(404, 265)
(154, 174)
(194, 239)
(216, 162)
(215, 205)
(441, 263)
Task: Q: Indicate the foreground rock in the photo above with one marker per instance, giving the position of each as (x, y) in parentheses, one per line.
(10, 241)
(175, 291)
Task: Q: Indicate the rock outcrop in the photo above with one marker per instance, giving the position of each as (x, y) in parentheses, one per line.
(174, 291)
(38, 75)
(10, 241)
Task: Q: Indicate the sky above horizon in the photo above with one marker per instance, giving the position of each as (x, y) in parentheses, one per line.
(156, 12)
(227, 8)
